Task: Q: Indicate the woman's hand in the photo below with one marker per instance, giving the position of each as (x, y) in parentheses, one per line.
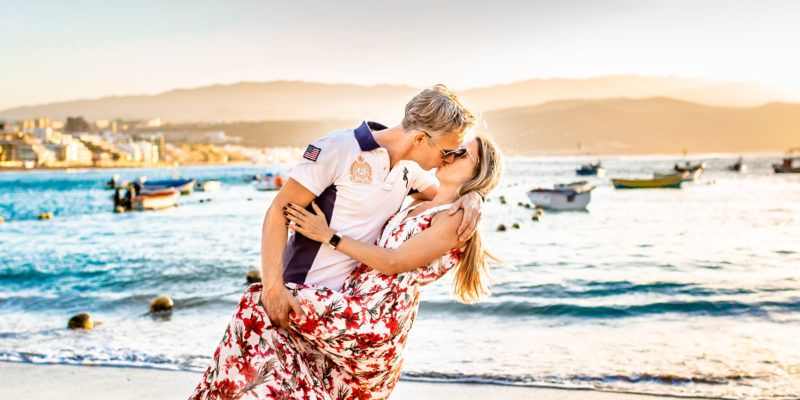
(311, 225)
(471, 203)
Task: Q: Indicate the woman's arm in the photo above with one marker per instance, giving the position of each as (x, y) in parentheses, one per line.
(420, 250)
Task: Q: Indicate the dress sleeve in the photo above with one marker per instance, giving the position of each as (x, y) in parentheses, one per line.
(320, 165)
(437, 268)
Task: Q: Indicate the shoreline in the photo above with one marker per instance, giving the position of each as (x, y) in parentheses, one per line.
(108, 167)
(690, 156)
(89, 382)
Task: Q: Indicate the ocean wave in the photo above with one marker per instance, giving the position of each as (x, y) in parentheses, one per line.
(585, 381)
(589, 289)
(116, 358)
(532, 309)
(94, 302)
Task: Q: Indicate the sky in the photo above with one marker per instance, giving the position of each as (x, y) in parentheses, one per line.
(62, 50)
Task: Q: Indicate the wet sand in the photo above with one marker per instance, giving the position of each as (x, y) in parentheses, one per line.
(67, 382)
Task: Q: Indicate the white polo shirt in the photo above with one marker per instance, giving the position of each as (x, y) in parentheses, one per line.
(350, 174)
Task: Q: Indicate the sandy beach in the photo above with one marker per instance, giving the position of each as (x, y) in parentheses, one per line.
(56, 382)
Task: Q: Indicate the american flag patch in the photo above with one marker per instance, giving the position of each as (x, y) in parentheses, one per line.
(312, 152)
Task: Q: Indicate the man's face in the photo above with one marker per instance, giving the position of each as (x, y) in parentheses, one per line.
(429, 150)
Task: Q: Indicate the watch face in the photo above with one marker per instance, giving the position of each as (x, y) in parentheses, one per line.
(334, 240)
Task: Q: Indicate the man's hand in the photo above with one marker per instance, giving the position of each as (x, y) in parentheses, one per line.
(471, 203)
(277, 301)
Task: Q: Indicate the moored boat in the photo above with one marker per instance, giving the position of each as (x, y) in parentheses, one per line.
(691, 176)
(155, 199)
(207, 186)
(695, 170)
(183, 186)
(740, 166)
(563, 197)
(673, 181)
(595, 169)
(689, 167)
(270, 182)
(790, 164)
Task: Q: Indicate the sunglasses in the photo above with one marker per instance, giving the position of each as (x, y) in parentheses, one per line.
(460, 152)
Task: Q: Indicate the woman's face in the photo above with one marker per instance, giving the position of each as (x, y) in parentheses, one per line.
(462, 169)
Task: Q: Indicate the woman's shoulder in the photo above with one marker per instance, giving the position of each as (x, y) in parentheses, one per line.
(447, 224)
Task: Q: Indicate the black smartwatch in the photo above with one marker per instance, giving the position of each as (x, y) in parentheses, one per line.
(334, 241)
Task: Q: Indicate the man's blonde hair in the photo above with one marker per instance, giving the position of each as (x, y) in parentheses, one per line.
(437, 111)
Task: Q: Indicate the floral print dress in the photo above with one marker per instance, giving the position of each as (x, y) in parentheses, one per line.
(349, 345)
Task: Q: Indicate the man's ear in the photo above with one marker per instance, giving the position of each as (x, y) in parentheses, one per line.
(418, 137)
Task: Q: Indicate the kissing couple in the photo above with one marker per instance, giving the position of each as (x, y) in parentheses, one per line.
(338, 296)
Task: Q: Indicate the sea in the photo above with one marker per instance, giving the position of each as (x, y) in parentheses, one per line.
(683, 292)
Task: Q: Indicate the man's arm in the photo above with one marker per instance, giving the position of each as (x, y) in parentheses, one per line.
(277, 300)
(413, 253)
(425, 195)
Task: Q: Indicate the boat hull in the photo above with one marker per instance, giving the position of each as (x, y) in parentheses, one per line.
(668, 182)
(156, 200)
(740, 168)
(560, 200)
(183, 186)
(207, 186)
(600, 172)
(780, 169)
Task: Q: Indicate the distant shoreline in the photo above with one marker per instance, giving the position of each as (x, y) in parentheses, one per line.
(109, 167)
(679, 156)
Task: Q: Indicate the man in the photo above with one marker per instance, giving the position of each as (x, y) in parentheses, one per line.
(359, 178)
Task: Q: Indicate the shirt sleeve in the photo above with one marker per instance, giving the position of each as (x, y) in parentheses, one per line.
(420, 179)
(320, 164)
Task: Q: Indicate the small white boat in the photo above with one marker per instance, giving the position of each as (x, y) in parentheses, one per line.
(591, 169)
(207, 186)
(270, 182)
(581, 186)
(156, 199)
(790, 164)
(692, 175)
(739, 167)
(563, 197)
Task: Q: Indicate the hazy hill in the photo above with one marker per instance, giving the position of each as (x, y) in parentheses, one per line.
(244, 101)
(604, 126)
(536, 91)
(293, 100)
(654, 125)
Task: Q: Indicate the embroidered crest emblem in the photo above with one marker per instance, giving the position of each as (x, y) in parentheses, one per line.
(360, 171)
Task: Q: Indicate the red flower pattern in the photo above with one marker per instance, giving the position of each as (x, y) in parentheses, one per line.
(349, 345)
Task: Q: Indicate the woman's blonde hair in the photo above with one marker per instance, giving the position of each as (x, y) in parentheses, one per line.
(438, 112)
(472, 276)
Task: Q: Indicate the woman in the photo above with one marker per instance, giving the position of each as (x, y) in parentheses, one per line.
(349, 344)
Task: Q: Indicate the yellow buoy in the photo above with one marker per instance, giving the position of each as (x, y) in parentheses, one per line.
(2, 220)
(46, 215)
(254, 276)
(161, 303)
(81, 321)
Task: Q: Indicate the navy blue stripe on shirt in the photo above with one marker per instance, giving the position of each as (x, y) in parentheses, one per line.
(300, 251)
